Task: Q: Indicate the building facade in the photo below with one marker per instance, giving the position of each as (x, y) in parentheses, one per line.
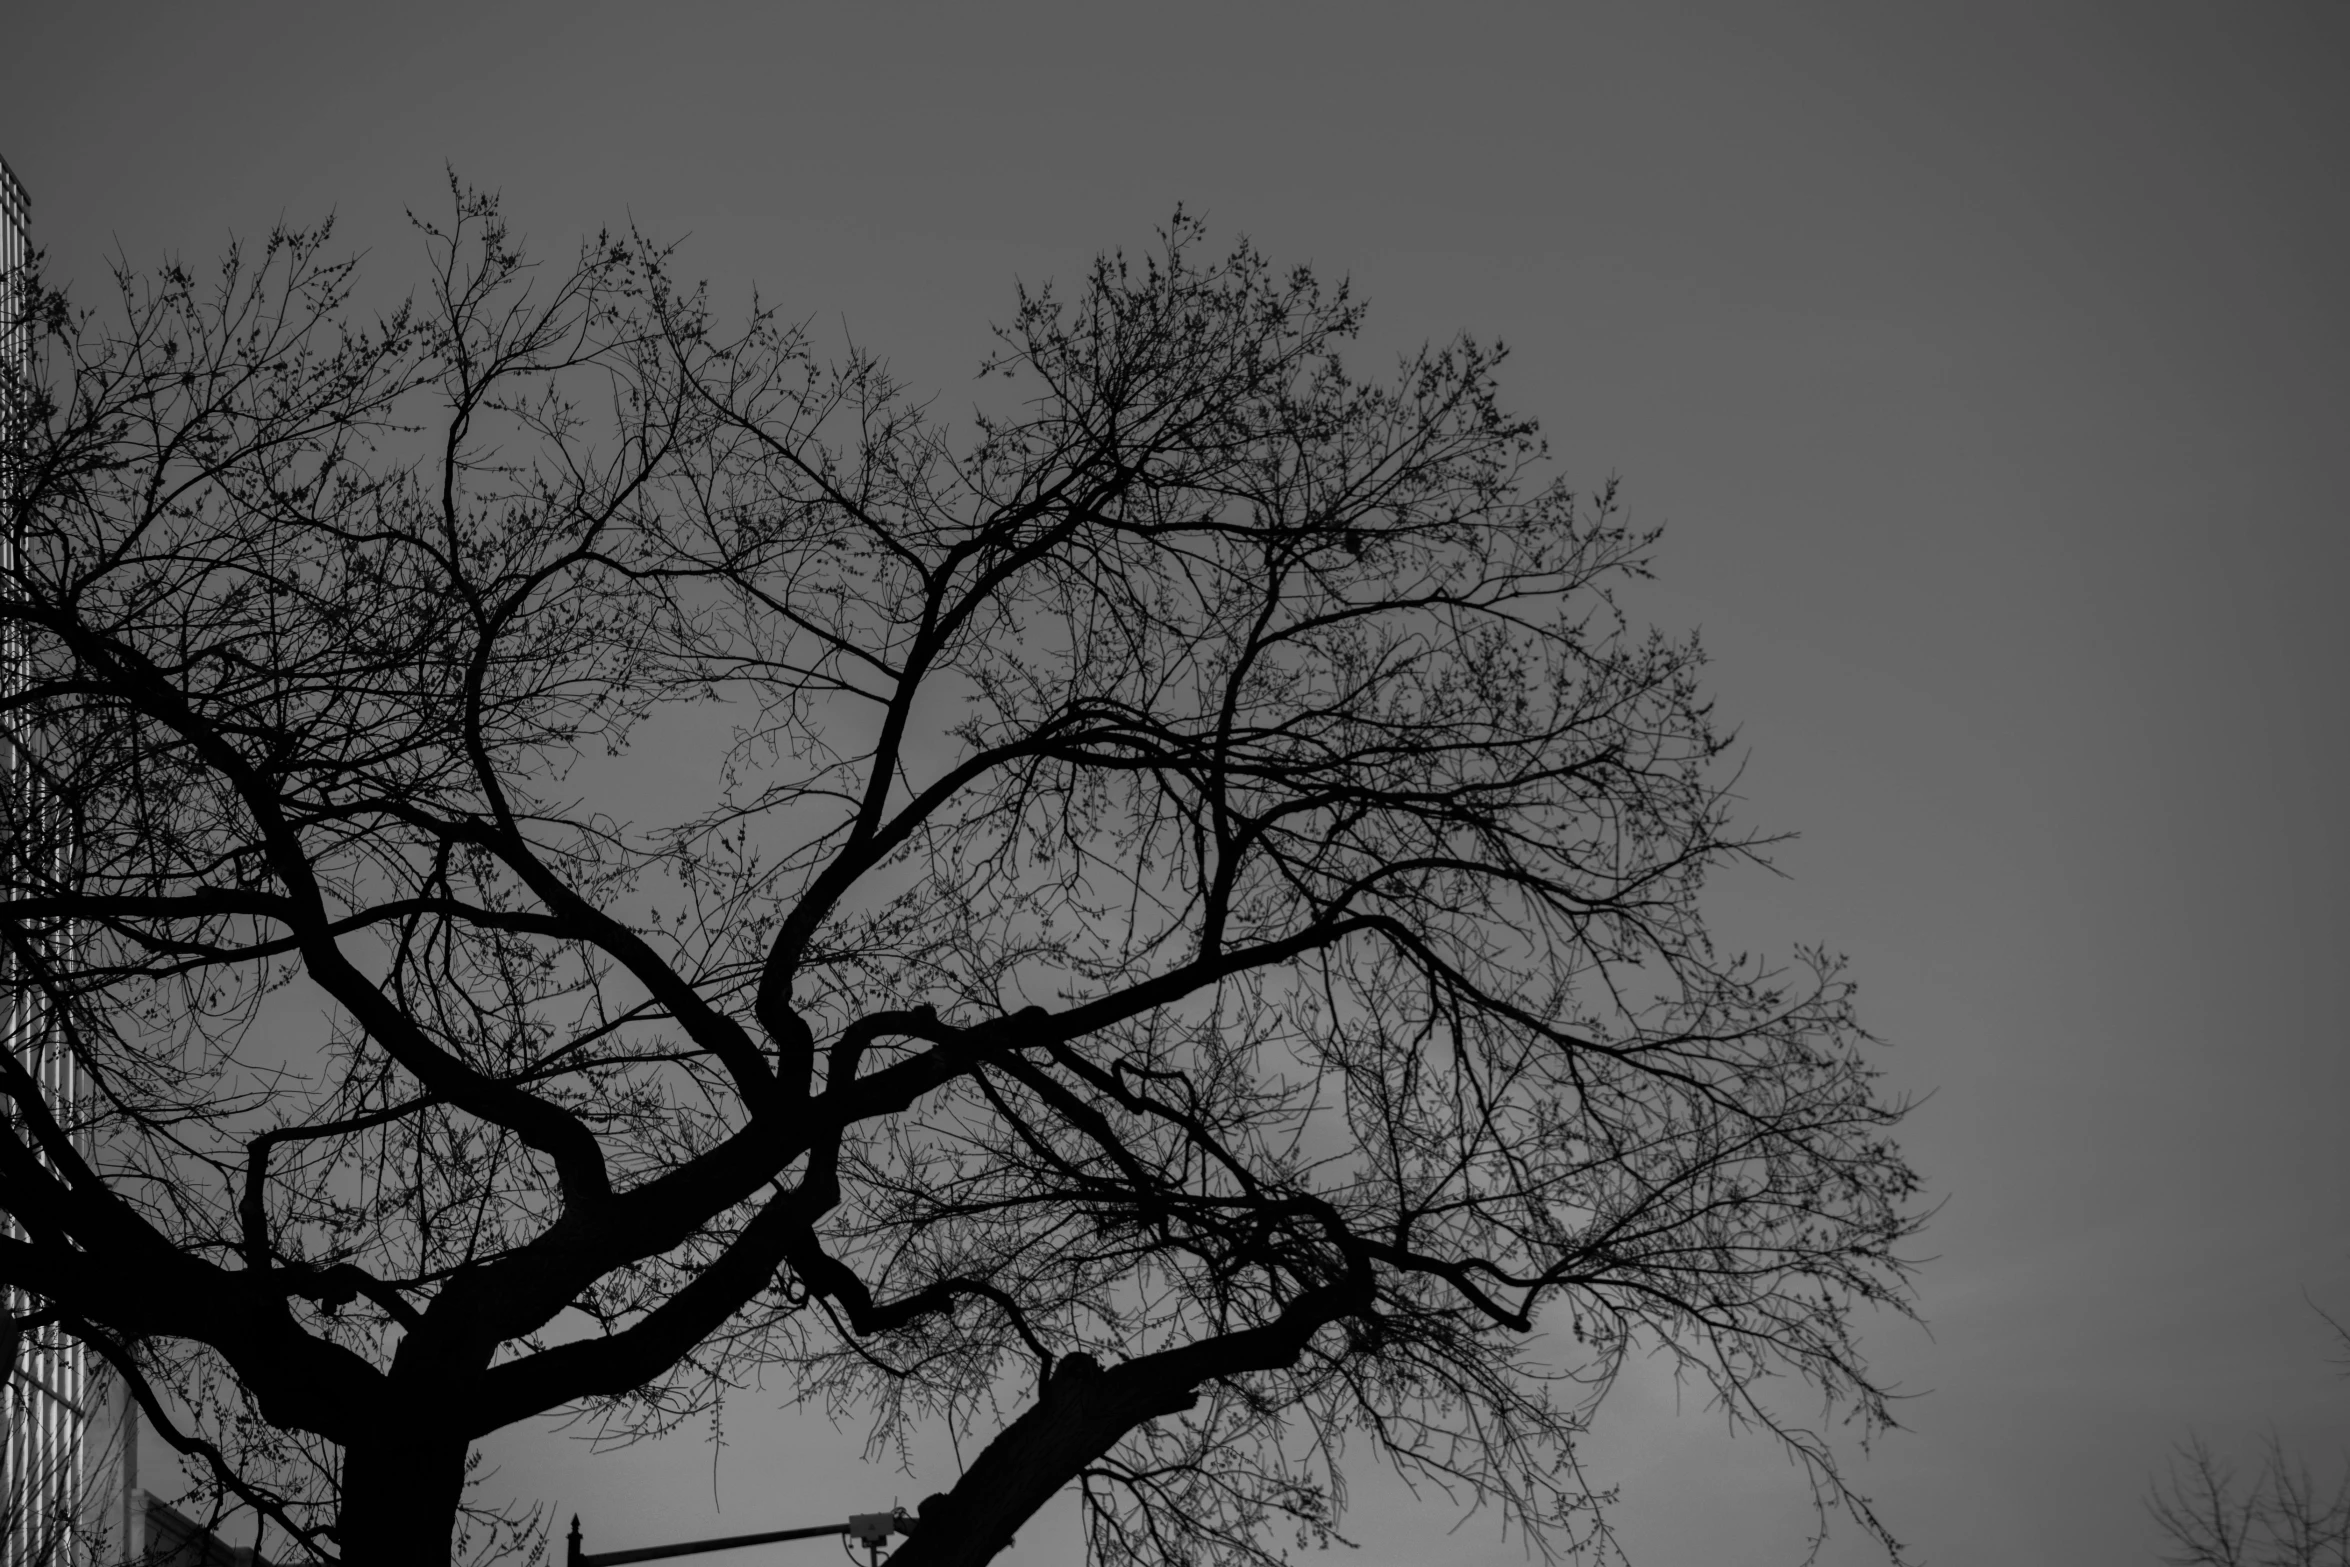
(46, 1398)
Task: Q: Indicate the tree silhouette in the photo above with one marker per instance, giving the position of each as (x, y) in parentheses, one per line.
(1192, 934)
(2284, 1518)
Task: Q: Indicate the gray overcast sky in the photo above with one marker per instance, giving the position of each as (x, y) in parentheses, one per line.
(1986, 363)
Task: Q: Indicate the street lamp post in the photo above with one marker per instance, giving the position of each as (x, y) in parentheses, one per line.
(871, 1530)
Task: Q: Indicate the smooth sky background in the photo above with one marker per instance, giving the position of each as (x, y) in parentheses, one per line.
(1986, 363)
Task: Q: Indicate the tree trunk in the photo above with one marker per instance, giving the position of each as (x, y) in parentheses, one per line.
(1083, 1412)
(400, 1495)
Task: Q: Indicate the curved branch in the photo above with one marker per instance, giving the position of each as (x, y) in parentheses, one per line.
(224, 1474)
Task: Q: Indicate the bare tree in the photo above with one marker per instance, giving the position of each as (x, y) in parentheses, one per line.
(1194, 936)
(2284, 1518)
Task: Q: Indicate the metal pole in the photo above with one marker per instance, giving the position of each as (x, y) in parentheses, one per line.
(870, 1528)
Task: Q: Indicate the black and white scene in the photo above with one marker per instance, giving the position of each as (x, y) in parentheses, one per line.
(1214, 786)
